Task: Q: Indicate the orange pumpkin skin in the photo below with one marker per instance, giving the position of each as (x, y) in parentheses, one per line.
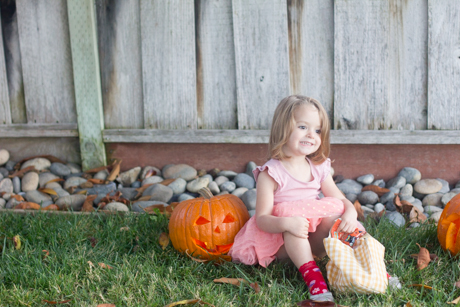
(205, 227)
(449, 226)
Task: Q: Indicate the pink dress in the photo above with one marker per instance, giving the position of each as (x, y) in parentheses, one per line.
(291, 198)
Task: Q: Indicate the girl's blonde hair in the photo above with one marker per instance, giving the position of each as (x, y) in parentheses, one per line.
(283, 123)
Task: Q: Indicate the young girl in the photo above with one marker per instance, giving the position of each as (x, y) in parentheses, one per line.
(291, 221)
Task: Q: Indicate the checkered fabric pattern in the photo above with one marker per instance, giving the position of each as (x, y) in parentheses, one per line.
(360, 269)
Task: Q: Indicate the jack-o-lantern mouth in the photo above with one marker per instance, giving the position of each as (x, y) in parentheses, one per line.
(216, 250)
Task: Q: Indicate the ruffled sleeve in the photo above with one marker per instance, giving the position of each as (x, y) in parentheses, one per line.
(324, 170)
(270, 166)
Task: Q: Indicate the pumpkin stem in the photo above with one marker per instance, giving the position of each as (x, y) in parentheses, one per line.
(206, 193)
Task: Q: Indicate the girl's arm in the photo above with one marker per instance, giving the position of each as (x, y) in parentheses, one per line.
(350, 216)
(267, 222)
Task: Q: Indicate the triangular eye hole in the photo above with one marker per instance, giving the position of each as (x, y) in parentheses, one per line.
(217, 229)
(201, 221)
(229, 218)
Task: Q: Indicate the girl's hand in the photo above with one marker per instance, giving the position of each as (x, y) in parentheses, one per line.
(349, 221)
(298, 226)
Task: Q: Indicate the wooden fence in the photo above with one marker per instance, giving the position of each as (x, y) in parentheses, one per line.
(212, 71)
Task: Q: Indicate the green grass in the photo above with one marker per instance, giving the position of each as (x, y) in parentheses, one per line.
(145, 275)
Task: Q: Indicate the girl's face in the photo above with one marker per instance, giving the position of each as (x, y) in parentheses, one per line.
(305, 137)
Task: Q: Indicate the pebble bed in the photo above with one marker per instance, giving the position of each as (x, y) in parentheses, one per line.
(179, 182)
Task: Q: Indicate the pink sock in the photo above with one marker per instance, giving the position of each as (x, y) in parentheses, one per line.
(313, 278)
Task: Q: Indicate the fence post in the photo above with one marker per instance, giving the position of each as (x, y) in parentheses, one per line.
(87, 80)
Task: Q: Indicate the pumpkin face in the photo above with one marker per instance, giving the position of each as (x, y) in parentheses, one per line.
(205, 227)
(449, 226)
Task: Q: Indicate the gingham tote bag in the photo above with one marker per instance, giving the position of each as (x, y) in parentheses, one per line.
(360, 269)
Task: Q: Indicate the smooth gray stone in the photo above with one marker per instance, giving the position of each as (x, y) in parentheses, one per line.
(6, 185)
(153, 179)
(228, 186)
(428, 186)
(4, 156)
(365, 179)
(10, 165)
(220, 180)
(39, 164)
(139, 206)
(73, 182)
(159, 192)
(368, 197)
(351, 197)
(4, 172)
(379, 207)
(136, 184)
(209, 177)
(102, 188)
(16, 185)
(243, 180)
(116, 206)
(101, 175)
(410, 199)
(128, 193)
(185, 196)
(432, 209)
(128, 177)
(432, 200)
(249, 199)
(12, 202)
(250, 167)
(446, 198)
(1, 177)
(183, 171)
(147, 169)
(44, 178)
(350, 186)
(379, 182)
(214, 188)
(99, 197)
(367, 209)
(390, 206)
(238, 192)
(389, 196)
(398, 182)
(445, 186)
(406, 190)
(435, 216)
(2, 203)
(46, 203)
(418, 195)
(60, 169)
(29, 182)
(412, 175)
(229, 174)
(395, 190)
(417, 202)
(73, 201)
(396, 218)
(178, 186)
(197, 184)
(74, 167)
(61, 192)
(36, 196)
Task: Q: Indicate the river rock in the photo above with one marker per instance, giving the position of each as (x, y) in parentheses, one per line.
(60, 169)
(379, 182)
(184, 196)
(74, 167)
(428, 186)
(101, 175)
(446, 198)
(214, 188)
(365, 179)
(229, 174)
(152, 179)
(243, 180)
(249, 199)
(379, 207)
(445, 186)
(4, 156)
(139, 206)
(396, 218)
(116, 206)
(435, 216)
(183, 171)
(36, 196)
(60, 192)
(16, 185)
(128, 193)
(44, 178)
(351, 197)
(406, 190)
(2, 203)
(228, 186)
(432, 200)
(238, 192)
(390, 206)
(149, 170)
(220, 180)
(73, 182)
(128, 177)
(350, 186)
(397, 182)
(11, 203)
(1, 177)
(417, 202)
(412, 175)
(30, 181)
(39, 164)
(432, 209)
(74, 202)
(6, 185)
(10, 165)
(178, 186)
(159, 192)
(387, 197)
(4, 172)
(102, 188)
(368, 197)
(197, 184)
(250, 167)
(409, 198)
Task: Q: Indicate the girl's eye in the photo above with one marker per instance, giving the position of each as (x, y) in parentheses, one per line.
(302, 127)
(318, 131)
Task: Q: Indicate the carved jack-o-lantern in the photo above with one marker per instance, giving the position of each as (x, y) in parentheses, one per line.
(205, 227)
(449, 226)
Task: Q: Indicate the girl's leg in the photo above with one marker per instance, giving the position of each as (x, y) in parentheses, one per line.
(322, 231)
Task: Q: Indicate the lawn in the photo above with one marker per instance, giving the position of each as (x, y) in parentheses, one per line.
(143, 274)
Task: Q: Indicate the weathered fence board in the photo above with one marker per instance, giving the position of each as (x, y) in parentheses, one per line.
(168, 64)
(215, 65)
(46, 61)
(5, 113)
(121, 64)
(444, 65)
(262, 59)
(13, 62)
(311, 50)
(380, 64)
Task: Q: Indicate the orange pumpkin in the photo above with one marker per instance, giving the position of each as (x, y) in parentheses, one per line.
(449, 226)
(205, 227)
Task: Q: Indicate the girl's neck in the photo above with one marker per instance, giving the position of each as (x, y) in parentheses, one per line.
(298, 167)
